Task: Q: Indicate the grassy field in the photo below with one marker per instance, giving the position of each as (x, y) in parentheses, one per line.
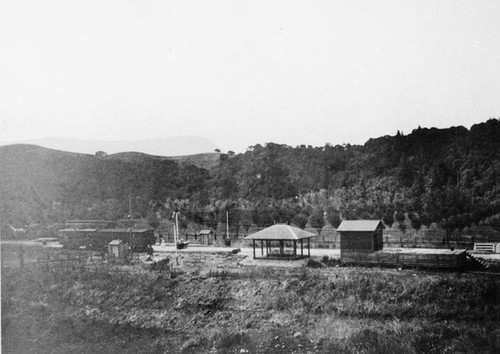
(253, 310)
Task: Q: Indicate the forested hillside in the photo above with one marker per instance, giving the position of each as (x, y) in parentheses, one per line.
(42, 186)
(447, 176)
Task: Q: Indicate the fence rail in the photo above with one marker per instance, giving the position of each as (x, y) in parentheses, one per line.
(487, 247)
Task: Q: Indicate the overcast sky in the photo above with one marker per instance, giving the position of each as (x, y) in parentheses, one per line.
(246, 72)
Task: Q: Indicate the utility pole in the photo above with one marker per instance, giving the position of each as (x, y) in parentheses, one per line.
(130, 237)
(227, 225)
(176, 233)
(130, 225)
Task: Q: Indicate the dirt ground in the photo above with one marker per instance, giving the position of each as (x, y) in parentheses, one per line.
(215, 301)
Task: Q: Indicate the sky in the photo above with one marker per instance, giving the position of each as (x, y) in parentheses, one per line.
(242, 73)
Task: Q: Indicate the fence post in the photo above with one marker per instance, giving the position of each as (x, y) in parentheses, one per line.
(21, 256)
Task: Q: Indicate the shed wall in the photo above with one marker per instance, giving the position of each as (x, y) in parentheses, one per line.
(357, 240)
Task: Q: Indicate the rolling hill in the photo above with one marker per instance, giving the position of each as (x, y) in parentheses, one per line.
(169, 146)
(450, 177)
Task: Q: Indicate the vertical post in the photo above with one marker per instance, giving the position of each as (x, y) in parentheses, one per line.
(294, 248)
(262, 247)
(253, 249)
(227, 225)
(309, 247)
(21, 256)
(130, 228)
(176, 235)
(302, 247)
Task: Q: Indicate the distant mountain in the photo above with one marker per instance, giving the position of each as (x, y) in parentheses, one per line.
(169, 146)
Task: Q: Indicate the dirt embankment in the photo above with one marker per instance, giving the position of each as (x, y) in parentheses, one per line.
(215, 305)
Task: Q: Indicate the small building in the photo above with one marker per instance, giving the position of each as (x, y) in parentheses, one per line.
(361, 243)
(280, 242)
(117, 250)
(138, 238)
(73, 238)
(361, 236)
(98, 239)
(206, 236)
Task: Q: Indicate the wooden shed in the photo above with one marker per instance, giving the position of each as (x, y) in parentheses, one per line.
(73, 238)
(361, 235)
(117, 250)
(98, 239)
(139, 238)
(205, 236)
(361, 243)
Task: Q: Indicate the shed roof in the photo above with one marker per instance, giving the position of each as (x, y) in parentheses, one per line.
(77, 230)
(205, 232)
(360, 225)
(115, 242)
(133, 230)
(281, 232)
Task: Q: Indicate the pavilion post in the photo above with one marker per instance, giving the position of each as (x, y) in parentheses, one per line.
(253, 249)
(309, 247)
(262, 247)
(302, 247)
(294, 249)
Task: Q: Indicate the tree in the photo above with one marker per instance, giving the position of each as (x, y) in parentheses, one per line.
(300, 220)
(316, 219)
(388, 216)
(333, 217)
(416, 223)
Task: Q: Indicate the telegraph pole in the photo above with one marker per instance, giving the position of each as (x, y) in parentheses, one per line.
(227, 225)
(130, 237)
(176, 233)
(130, 225)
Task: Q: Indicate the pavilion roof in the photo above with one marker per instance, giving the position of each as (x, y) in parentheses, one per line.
(281, 232)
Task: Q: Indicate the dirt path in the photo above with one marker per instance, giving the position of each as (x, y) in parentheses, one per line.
(247, 251)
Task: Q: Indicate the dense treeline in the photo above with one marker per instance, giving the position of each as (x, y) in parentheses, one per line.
(447, 176)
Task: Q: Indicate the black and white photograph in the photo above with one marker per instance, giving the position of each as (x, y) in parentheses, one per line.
(250, 177)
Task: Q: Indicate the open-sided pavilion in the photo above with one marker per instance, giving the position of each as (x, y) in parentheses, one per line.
(281, 242)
